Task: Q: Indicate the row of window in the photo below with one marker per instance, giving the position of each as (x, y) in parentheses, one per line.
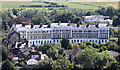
(72, 41)
(63, 31)
(37, 37)
(66, 36)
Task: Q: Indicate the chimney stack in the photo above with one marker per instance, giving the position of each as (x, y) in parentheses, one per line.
(49, 25)
(23, 25)
(69, 23)
(107, 23)
(97, 25)
(59, 22)
(78, 24)
(87, 25)
(40, 25)
(32, 25)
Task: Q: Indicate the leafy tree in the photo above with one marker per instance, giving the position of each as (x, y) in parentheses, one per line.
(111, 32)
(111, 45)
(9, 12)
(7, 65)
(20, 62)
(82, 45)
(88, 43)
(95, 45)
(70, 46)
(78, 67)
(110, 11)
(51, 49)
(64, 18)
(37, 20)
(40, 19)
(86, 58)
(53, 52)
(62, 63)
(91, 59)
(115, 21)
(89, 13)
(5, 21)
(114, 66)
(65, 43)
(45, 64)
(75, 46)
(102, 48)
(101, 11)
(15, 11)
(78, 19)
(5, 52)
(119, 37)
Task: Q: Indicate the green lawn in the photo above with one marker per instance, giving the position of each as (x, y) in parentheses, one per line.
(17, 4)
(78, 5)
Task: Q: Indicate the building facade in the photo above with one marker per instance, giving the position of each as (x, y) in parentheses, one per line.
(55, 32)
(97, 18)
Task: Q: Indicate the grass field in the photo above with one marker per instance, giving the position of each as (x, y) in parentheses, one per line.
(78, 5)
(103, 4)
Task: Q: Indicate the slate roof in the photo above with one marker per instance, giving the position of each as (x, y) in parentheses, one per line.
(114, 54)
(10, 32)
(26, 52)
(73, 52)
(74, 25)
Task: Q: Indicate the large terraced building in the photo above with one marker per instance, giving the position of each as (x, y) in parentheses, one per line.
(55, 32)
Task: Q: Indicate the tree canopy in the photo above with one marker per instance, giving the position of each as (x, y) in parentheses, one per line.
(45, 64)
(62, 63)
(91, 59)
(7, 65)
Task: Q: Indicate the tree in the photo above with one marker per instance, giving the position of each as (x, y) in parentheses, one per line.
(82, 45)
(5, 21)
(110, 11)
(45, 64)
(111, 45)
(95, 45)
(70, 46)
(62, 63)
(89, 13)
(64, 18)
(37, 20)
(7, 65)
(5, 52)
(102, 48)
(65, 43)
(119, 37)
(75, 46)
(51, 49)
(88, 43)
(111, 32)
(115, 21)
(15, 11)
(101, 11)
(91, 59)
(78, 19)
(53, 52)
(114, 66)
(86, 58)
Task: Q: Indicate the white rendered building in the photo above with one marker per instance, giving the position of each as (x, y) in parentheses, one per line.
(97, 18)
(55, 32)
